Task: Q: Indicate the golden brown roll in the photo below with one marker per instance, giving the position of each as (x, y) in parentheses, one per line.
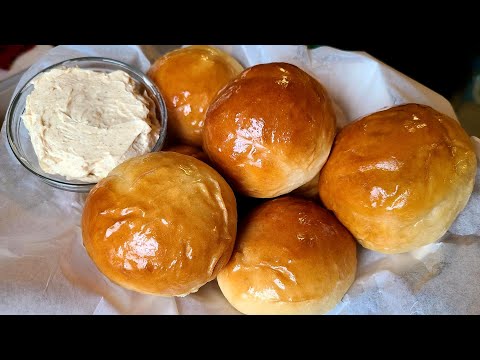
(270, 130)
(189, 78)
(162, 224)
(398, 178)
(190, 151)
(291, 257)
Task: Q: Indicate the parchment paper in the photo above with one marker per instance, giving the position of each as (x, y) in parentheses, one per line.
(44, 268)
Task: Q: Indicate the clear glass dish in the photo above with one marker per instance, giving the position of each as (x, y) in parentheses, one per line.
(19, 139)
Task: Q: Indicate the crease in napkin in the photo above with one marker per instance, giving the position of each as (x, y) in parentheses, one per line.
(44, 268)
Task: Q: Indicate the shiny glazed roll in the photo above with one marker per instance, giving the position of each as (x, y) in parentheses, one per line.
(291, 257)
(270, 130)
(189, 78)
(398, 178)
(162, 224)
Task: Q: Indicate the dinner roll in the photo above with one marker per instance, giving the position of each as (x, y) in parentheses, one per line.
(162, 224)
(398, 178)
(189, 78)
(270, 130)
(291, 257)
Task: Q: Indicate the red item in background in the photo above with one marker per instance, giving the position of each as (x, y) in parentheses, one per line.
(8, 54)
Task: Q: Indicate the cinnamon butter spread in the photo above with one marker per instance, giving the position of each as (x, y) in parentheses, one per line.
(83, 123)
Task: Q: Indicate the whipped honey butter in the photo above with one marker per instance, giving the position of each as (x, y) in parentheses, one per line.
(83, 123)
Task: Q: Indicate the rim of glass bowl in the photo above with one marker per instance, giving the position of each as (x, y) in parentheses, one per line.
(160, 110)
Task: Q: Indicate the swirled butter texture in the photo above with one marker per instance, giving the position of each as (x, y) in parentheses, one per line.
(83, 123)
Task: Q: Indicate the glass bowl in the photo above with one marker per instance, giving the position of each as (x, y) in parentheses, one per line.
(19, 139)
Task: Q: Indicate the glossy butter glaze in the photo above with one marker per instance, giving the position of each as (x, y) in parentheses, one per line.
(398, 178)
(161, 224)
(291, 257)
(189, 78)
(270, 130)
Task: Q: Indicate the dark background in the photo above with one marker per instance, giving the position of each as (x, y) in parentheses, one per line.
(444, 68)
(444, 73)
